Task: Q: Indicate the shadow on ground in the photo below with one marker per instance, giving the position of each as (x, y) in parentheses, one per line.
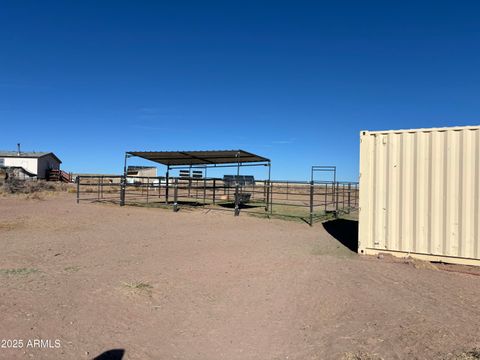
(231, 205)
(345, 231)
(114, 354)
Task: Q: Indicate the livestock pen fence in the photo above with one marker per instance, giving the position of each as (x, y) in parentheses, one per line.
(309, 201)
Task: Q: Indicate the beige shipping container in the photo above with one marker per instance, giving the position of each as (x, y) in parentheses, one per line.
(420, 193)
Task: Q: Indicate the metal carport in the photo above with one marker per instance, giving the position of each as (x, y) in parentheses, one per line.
(199, 159)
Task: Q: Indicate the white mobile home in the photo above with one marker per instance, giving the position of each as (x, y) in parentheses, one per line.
(141, 174)
(142, 171)
(38, 163)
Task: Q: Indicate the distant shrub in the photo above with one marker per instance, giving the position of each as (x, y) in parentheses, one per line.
(16, 186)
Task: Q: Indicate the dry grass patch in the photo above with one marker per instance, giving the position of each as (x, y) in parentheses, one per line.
(360, 356)
(11, 225)
(419, 264)
(138, 288)
(473, 354)
(72, 269)
(33, 189)
(18, 272)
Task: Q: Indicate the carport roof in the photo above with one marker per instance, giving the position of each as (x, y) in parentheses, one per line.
(210, 157)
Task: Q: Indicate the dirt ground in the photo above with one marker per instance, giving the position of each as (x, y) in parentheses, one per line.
(207, 285)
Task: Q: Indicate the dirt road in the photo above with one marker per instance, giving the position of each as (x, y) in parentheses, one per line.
(197, 285)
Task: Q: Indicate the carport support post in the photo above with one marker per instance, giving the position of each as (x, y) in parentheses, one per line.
(237, 202)
(267, 188)
(166, 184)
(311, 202)
(205, 186)
(270, 186)
(123, 182)
(175, 196)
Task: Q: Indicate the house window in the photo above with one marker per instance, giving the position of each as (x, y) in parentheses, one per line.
(2, 162)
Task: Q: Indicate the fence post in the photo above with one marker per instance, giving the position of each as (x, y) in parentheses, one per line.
(311, 203)
(265, 195)
(336, 199)
(326, 198)
(349, 191)
(148, 185)
(204, 190)
(101, 187)
(356, 196)
(265, 199)
(78, 189)
(270, 200)
(175, 196)
(167, 179)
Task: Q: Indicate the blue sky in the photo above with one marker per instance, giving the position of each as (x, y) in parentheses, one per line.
(294, 81)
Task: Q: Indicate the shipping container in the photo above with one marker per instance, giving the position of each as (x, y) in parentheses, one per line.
(420, 193)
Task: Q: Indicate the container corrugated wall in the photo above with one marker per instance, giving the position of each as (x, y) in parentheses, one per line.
(420, 193)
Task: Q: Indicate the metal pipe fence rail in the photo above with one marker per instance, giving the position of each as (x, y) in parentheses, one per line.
(309, 201)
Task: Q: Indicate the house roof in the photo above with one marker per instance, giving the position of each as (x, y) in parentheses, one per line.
(28, 154)
(210, 157)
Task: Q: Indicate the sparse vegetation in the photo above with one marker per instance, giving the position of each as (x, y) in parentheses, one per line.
(31, 188)
(138, 287)
(18, 272)
(72, 269)
(473, 354)
(15, 186)
(10, 225)
(360, 356)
